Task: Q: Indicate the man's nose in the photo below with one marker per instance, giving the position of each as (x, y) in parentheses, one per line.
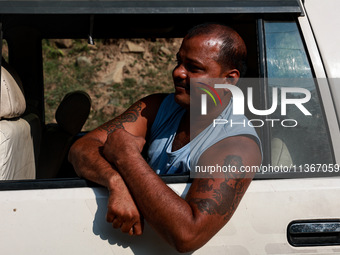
(180, 72)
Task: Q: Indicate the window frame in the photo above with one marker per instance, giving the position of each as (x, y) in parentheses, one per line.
(150, 7)
(266, 130)
(78, 182)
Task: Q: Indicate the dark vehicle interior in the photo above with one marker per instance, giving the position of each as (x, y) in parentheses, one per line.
(24, 24)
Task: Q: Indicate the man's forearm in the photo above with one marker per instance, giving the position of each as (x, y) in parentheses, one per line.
(86, 157)
(186, 224)
(88, 162)
(170, 215)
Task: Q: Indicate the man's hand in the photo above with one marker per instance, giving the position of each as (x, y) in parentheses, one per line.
(123, 213)
(121, 144)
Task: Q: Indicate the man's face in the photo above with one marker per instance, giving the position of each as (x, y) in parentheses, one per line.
(196, 59)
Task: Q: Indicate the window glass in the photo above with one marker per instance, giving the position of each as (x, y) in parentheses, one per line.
(114, 72)
(287, 67)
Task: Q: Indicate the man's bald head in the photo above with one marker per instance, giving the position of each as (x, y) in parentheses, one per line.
(233, 51)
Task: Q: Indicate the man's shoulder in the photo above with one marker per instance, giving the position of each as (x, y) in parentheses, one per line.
(150, 106)
(154, 102)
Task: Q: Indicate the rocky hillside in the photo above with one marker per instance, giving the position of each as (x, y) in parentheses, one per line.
(115, 73)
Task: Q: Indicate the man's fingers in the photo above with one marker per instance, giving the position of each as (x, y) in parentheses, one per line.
(137, 229)
(132, 228)
(116, 223)
(109, 217)
(126, 218)
(126, 227)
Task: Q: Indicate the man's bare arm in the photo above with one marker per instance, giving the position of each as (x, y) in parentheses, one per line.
(188, 223)
(86, 155)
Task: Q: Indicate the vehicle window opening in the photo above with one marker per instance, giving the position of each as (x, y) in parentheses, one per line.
(114, 72)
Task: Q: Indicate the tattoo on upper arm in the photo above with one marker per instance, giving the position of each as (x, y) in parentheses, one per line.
(226, 198)
(203, 185)
(130, 115)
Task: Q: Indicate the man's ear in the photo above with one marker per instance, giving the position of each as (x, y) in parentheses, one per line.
(232, 76)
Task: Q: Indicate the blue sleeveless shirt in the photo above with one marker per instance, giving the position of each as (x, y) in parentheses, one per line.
(160, 156)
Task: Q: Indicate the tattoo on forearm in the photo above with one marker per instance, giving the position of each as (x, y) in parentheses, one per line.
(227, 197)
(130, 115)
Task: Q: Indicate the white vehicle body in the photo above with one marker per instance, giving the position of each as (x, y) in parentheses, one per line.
(52, 219)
